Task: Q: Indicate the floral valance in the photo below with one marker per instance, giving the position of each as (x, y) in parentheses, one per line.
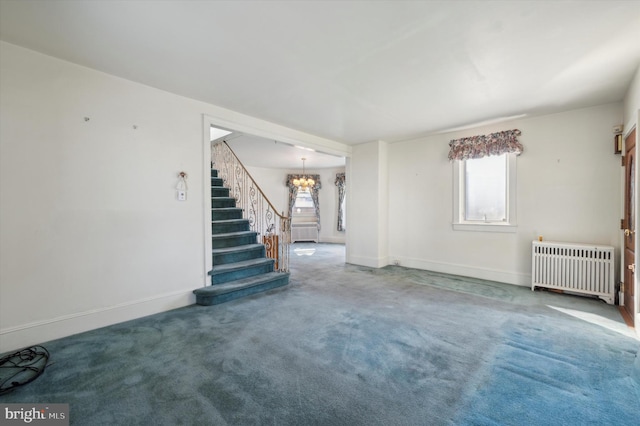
(484, 145)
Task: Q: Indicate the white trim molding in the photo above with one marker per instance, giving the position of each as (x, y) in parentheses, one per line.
(12, 338)
(507, 277)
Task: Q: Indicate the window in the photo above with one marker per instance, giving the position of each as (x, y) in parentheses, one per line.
(484, 194)
(304, 203)
(485, 189)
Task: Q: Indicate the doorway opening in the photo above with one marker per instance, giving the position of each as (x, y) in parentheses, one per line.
(269, 158)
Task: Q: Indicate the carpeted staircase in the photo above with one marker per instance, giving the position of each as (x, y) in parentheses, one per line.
(240, 265)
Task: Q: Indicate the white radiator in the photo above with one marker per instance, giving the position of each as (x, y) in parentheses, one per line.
(304, 232)
(574, 268)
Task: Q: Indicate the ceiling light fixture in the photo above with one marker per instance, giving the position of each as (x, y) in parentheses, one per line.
(303, 182)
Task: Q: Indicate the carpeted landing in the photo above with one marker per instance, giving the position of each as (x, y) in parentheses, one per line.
(348, 345)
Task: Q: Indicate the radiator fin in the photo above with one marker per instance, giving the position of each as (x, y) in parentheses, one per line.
(575, 268)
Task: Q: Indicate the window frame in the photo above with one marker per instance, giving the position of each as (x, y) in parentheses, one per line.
(459, 201)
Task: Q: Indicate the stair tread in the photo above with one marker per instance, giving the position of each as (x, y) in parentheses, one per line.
(226, 208)
(240, 284)
(230, 221)
(237, 248)
(237, 245)
(234, 234)
(227, 267)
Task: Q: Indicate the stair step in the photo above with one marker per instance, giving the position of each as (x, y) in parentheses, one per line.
(240, 265)
(226, 213)
(222, 202)
(215, 294)
(225, 255)
(229, 225)
(238, 270)
(219, 191)
(234, 239)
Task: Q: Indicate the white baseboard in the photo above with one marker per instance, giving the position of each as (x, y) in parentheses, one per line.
(372, 262)
(332, 240)
(508, 277)
(12, 338)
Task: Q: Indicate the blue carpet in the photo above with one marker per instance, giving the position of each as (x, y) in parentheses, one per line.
(349, 345)
(555, 376)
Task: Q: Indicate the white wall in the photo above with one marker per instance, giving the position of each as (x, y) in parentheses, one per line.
(272, 182)
(368, 197)
(91, 232)
(632, 103)
(90, 224)
(568, 189)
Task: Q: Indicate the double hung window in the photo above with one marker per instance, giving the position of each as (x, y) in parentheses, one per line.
(484, 194)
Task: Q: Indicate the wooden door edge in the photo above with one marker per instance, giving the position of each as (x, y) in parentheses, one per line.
(626, 317)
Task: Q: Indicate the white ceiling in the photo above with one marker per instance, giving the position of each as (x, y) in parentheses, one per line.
(260, 152)
(350, 71)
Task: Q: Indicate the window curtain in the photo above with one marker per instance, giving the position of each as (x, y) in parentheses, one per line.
(340, 183)
(293, 193)
(474, 147)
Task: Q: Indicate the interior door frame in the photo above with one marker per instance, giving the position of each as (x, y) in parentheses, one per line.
(252, 126)
(629, 304)
(636, 308)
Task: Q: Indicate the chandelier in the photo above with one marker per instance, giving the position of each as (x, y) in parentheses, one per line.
(303, 182)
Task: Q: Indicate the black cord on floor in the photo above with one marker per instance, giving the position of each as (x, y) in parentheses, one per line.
(22, 367)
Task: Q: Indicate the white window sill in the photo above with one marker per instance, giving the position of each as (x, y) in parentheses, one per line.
(485, 227)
